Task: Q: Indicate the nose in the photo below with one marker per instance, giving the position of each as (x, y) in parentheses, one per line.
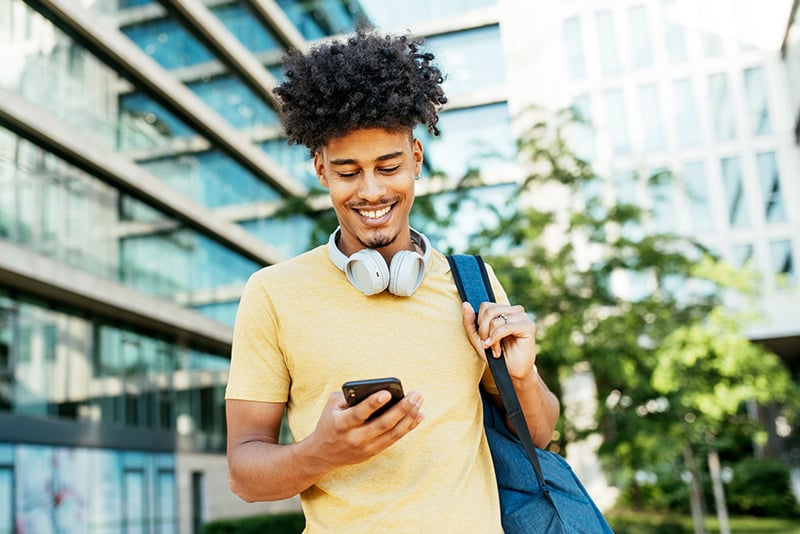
(372, 186)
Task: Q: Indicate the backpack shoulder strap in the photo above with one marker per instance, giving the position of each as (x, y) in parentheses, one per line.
(474, 286)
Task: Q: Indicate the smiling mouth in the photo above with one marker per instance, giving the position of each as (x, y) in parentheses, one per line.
(375, 214)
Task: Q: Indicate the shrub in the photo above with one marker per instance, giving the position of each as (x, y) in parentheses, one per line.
(284, 523)
(761, 488)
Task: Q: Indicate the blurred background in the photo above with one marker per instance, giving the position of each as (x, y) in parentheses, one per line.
(649, 145)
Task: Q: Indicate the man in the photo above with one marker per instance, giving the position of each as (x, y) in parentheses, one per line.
(330, 315)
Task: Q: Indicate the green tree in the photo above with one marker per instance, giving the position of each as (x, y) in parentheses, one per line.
(662, 353)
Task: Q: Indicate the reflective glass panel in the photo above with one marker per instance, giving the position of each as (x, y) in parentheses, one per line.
(212, 179)
(674, 32)
(293, 158)
(472, 60)
(461, 145)
(315, 20)
(148, 124)
(573, 44)
(392, 15)
(641, 49)
(734, 192)
(755, 88)
(696, 182)
(290, 235)
(235, 102)
(617, 119)
(607, 43)
(723, 118)
(652, 125)
(686, 114)
(241, 23)
(168, 43)
(6, 499)
(742, 254)
(782, 261)
(662, 196)
(770, 187)
(584, 138)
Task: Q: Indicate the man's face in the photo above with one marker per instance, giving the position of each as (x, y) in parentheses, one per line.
(370, 176)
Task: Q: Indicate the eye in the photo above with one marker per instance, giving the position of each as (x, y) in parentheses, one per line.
(347, 174)
(389, 170)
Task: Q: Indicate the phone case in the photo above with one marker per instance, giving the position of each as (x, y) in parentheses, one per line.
(356, 391)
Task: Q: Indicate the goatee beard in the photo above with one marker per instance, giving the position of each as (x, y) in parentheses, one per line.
(378, 241)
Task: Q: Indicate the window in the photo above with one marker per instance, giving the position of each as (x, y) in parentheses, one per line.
(723, 120)
(473, 60)
(674, 32)
(782, 262)
(607, 44)
(770, 187)
(662, 196)
(742, 254)
(686, 114)
(734, 192)
(696, 182)
(652, 125)
(584, 132)
(640, 37)
(755, 89)
(573, 44)
(617, 122)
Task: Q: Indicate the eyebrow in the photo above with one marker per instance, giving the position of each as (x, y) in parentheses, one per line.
(350, 161)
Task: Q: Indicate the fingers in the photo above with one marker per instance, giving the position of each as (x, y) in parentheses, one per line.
(408, 409)
(499, 321)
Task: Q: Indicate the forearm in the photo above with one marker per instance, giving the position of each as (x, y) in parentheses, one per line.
(539, 405)
(261, 471)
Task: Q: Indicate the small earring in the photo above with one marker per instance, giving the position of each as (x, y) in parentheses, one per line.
(416, 177)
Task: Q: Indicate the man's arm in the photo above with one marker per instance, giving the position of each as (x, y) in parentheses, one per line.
(261, 469)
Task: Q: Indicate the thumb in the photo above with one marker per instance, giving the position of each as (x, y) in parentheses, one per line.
(470, 326)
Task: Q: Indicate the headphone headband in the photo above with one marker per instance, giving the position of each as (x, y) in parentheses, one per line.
(367, 270)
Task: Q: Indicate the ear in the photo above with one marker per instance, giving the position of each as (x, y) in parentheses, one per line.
(418, 153)
(319, 169)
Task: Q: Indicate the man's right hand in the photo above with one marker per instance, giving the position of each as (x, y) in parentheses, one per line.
(344, 436)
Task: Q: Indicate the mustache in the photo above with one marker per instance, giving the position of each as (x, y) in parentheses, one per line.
(355, 205)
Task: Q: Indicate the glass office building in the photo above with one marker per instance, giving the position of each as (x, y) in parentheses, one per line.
(143, 177)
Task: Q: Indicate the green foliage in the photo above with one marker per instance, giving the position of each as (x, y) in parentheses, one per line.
(761, 488)
(283, 523)
(625, 522)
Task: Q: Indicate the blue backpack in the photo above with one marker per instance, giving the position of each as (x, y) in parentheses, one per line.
(539, 491)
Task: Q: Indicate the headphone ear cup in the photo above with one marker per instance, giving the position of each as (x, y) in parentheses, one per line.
(367, 271)
(407, 271)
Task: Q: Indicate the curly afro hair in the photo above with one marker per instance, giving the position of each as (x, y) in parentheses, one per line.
(367, 81)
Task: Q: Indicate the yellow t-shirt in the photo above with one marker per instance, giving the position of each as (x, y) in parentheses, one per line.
(302, 330)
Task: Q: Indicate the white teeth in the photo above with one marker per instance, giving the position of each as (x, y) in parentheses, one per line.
(375, 214)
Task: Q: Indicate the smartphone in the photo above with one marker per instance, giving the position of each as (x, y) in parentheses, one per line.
(356, 391)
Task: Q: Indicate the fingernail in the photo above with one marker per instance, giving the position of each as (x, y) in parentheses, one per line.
(383, 396)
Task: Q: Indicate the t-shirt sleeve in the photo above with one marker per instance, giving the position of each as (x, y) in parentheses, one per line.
(258, 370)
(487, 382)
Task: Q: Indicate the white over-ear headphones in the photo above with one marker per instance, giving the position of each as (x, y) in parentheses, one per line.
(367, 271)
